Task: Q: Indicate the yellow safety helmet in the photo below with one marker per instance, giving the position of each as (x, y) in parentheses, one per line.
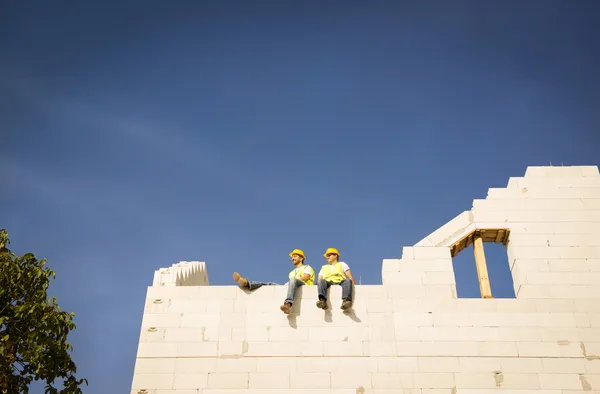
(331, 250)
(298, 252)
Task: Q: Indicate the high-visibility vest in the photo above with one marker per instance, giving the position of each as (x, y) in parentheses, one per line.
(298, 272)
(333, 272)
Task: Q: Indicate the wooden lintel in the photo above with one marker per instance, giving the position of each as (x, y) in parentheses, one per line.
(482, 273)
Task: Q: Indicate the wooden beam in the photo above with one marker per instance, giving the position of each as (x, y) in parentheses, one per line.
(499, 236)
(482, 273)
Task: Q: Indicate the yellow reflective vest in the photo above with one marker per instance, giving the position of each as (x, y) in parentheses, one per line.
(333, 272)
(298, 272)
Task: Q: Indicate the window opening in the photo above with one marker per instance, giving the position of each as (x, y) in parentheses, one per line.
(490, 260)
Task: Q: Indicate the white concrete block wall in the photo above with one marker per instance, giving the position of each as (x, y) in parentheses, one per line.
(411, 334)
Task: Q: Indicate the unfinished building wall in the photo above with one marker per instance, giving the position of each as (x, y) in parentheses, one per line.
(411, 334)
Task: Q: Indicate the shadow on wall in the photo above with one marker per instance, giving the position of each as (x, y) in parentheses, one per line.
(465, 272)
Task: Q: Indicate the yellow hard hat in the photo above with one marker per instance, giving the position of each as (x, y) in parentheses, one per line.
(298, 252)
(331, 250)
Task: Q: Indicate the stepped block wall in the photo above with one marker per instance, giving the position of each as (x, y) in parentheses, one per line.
(412, 334)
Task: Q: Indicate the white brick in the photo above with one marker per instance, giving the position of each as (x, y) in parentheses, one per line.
(413, 319)
(497, 349)
(153, 381)
(436, 349)
(411, 292)
(186, 305)
(424, 253)
(277, 364)
(474, 380)
(563, 381)
(433, 265)
(520, 334)
(434, 380)
(438, 364)
(472, 305)
(269, 381)
(228, 380)
(589, 171)
(233, 319)
(437, 305)
(200, 319)
(589, 334)
(251, 334)
(230, 349)
(153, 349)
(199, 334)
(154, 366)
(195, 365)
(405, 305)
(374, 305)
(379, 349)
(521, 365)
(391, 380)
(153, 334)
(380, 333)
(438, 278)
(592, 349)
(337, 334)
(288, 334)
(548, 349)
(440, 291)
(588, 306)
(366, 291)
(161, 320)
(556, 305)
(284, 349)
(320, 380)
(452, 319)
(196, 349)
(406, 334)
(559, 291)
(220, 306)
(236, 365)
(403, 278)
(351, 381)
(397, 364)
(592, 366)
(535, 172)
(562, 278)
(343, 348)
(563, 366)
(559, 334)
(191, 381)
(594, 319)
(479, 364)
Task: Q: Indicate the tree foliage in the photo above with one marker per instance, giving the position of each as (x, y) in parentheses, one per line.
(33, 329)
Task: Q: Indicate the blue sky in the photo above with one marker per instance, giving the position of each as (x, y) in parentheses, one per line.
(138, 134)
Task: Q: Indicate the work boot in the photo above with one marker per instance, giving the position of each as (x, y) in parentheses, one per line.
(243, 282)
(346, 304)
(322, 304)
(286, 308)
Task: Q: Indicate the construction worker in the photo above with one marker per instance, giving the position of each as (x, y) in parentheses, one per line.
(301, 275)
(335, 273)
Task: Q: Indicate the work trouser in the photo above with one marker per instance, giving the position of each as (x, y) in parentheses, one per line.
(346, 289)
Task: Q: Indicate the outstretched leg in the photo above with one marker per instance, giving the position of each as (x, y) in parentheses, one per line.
(248, 284)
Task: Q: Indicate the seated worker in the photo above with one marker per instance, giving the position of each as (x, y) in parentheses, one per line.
(335, 273)
(299, 276)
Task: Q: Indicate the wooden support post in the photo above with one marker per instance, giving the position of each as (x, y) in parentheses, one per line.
(482, 273)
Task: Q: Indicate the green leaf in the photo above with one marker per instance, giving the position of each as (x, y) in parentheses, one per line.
(33, 329)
